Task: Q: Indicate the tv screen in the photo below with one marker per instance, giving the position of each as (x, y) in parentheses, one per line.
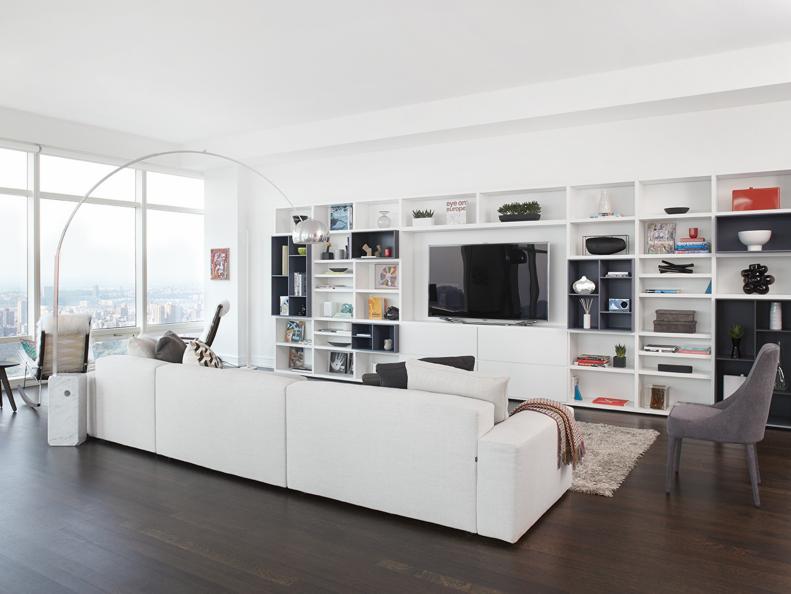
(502, 281)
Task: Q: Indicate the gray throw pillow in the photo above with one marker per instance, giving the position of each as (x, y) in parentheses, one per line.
(170, 348)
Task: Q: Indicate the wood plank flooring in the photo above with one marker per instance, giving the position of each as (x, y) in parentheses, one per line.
(103, 518)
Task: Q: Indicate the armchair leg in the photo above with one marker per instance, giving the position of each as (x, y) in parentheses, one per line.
(755, 478)
(672, 448)
(677, 458)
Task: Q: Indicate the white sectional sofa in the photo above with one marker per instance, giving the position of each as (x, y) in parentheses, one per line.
(434, 457)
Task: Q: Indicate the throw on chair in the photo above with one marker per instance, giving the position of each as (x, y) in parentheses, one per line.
(73, 344)
(741, 418)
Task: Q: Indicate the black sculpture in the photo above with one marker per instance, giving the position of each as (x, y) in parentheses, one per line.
(756, 280)
(669, 267)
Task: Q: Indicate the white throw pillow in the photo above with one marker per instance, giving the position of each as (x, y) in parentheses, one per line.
(140, 346)
(431, 377)
(199, 353)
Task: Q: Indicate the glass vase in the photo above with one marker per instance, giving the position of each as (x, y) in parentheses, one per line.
(384, 222)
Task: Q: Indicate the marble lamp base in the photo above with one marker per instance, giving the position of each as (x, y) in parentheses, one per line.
(68, 409)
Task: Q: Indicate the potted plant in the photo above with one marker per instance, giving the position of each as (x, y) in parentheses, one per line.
(737, 333)
(620, 356)
(520, 211)
(422, 217)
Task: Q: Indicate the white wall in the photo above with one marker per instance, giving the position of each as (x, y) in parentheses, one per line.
(751, 138)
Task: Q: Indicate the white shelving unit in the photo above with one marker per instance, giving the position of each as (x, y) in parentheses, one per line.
(572, 208)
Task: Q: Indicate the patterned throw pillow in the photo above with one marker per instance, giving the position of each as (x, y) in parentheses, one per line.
(198, 353)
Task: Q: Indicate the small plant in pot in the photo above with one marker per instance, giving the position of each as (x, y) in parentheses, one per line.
(737, 333)
(620, 356)
(422, 217)
(520, 211)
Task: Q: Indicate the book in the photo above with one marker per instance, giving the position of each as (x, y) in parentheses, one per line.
(376, 308)
(660, 348)
(610, 401)
(284, 261)
(664, 291)
(295, 331)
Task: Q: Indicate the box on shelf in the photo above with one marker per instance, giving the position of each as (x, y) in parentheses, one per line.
(675, 320)
(658, 396)
(755, 199)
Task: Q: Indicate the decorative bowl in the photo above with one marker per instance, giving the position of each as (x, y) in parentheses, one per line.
(755, 239)
(677, 209)
(604, 245)
(339, 344)
(302, 251)
(336, 269)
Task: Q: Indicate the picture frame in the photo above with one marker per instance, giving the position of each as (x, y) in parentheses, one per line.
(385, 276)
(341, 217)
(456, 211)
(220, 264)
(295, 331)
(284, 305)
(296, 358)
(660, 238)
(339, 363)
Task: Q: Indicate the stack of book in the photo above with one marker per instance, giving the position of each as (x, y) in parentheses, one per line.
(687, 245)
(663, 291)
(592, 360)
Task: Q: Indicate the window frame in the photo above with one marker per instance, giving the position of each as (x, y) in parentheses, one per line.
(140, 205)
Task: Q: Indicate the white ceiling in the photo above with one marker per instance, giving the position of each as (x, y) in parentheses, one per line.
(181, 70)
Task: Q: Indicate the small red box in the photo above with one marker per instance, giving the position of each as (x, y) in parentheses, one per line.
(756, 199)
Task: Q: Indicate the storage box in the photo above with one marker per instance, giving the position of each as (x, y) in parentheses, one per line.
(675, 315)
(755, 199)
(676, 327)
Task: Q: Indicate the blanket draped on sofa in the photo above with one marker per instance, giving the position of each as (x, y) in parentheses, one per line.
(571, 445)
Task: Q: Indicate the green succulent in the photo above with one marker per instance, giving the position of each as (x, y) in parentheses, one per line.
(620, 350)
(419, 213)
(520, 208)
(737, 331)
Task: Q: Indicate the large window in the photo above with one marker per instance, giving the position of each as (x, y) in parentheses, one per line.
(97, 263)
(176, 266)
(99, 273)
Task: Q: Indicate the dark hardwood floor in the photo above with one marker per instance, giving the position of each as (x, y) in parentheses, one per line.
(103, 518)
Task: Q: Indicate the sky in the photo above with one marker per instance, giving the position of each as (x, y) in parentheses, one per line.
(99, 247)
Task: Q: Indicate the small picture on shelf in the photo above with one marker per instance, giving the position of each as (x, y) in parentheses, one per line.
(295, 331)
(376, 308)
(340, 217)
(296, 358)
(284, 306)
(386, 276)
(340, 363)
(660, 238)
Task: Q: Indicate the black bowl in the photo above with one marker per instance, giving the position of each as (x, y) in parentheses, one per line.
(604, 245)
(339, 269)
(677, 209)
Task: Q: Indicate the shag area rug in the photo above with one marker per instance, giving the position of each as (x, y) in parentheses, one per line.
(611, 453)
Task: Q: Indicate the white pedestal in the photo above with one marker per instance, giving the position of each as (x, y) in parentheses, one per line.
(68, 409)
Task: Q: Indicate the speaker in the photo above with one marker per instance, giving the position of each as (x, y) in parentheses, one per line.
(619, 304)
(68, 409)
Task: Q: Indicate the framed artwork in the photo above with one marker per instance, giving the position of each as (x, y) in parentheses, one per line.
(284, 305)
(376, 308)
(295, 331)
(456, 212)
(386, 276)
(220, 263)
(340, 217)
(340, 362)
(660, 238)
(296, 358)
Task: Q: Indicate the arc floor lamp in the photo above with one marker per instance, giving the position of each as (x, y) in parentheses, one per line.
(307, 231)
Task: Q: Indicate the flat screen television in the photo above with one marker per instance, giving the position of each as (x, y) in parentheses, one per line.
(493, 281)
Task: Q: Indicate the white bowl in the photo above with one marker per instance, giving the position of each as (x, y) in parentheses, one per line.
(755, 240)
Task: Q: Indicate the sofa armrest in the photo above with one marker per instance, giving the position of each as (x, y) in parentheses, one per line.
(371, 379)
(518, 475)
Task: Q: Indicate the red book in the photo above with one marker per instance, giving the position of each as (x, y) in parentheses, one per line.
(609, 401)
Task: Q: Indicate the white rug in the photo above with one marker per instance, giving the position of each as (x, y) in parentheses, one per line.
(611, 453)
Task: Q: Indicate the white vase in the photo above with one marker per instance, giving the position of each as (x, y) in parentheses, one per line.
(586, 321)
(583, 286)
(776, 316)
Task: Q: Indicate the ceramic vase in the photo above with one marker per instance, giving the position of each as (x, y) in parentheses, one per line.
(736, 348)
(775, 316)
(586, 321)
(583, 286)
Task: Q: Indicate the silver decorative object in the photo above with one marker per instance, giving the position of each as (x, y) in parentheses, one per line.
(383, 222)
(583, 286)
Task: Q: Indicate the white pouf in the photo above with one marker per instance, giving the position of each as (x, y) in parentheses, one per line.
(68, 409)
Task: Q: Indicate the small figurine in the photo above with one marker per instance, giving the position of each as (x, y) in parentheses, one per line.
(367, 251)
(378, 251)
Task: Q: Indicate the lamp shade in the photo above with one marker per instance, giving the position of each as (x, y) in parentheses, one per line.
(310, 231)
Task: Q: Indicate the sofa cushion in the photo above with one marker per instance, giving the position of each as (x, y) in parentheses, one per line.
(141, 346)
(431, 377)
(394, 375)
(200, 354)
(170, 348)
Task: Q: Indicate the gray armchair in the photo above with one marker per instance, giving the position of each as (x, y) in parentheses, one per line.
(739, 419)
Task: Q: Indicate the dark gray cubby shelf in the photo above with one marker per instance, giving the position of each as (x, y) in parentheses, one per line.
(283, 284)
(728, 228)
(753, 314)
(376, 339)
(606, 288)
(383, 238)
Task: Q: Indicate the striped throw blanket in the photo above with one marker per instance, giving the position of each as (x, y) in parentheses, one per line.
(571, 445)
